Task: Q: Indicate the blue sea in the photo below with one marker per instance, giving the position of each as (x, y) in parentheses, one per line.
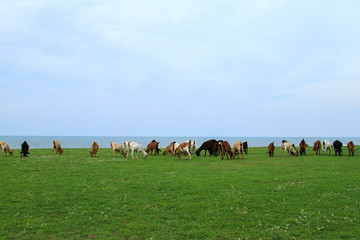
(104, 142)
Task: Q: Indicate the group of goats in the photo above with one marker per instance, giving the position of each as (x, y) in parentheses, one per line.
(186, 148)
(214, 147)
(174, 148)
(153, 146)
(289, 148)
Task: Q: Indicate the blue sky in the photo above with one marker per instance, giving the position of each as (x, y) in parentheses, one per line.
(180, 68)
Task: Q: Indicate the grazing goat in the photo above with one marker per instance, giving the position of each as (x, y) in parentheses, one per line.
(271, 148)
(238, 150)
(57, 146)
(337, 147)
(5, 148)
(326, 146)
(302, 146)
(94, 149)
(117, 147)
(293, 152)
(153, 146)
(351, 147)
(185, 148)
(134, 146)
(225, 149)
(317, 147)
(24, 149)
(210, 145)
(171, 149)
(288, 147)
(245, 144)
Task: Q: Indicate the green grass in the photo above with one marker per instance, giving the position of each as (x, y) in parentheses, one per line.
(74, 196)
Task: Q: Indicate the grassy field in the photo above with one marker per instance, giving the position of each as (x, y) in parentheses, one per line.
(74, 196)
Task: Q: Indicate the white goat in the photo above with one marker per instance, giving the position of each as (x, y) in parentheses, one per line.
(287, 147)
(134, 146)
(326, 145)
(117, 147)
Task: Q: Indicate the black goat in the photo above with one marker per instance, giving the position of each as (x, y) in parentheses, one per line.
(212, 146)
(24, 149)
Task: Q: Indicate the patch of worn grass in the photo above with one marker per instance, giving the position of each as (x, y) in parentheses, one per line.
(74, 196)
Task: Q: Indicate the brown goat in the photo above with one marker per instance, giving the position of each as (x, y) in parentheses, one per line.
(302, 146)
(5, 148)
(185, 149)
(152, 146)
(94, 149)
(57, 146)
(351, 147)
(225, 149)
(170, 149)
(271, 148)
(317, 147)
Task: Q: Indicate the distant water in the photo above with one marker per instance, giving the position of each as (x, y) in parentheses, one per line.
(104, 142)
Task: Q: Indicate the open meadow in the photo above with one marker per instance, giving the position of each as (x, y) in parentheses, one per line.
(75, 196)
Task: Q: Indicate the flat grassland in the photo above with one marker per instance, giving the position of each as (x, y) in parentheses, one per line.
(74, 196)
